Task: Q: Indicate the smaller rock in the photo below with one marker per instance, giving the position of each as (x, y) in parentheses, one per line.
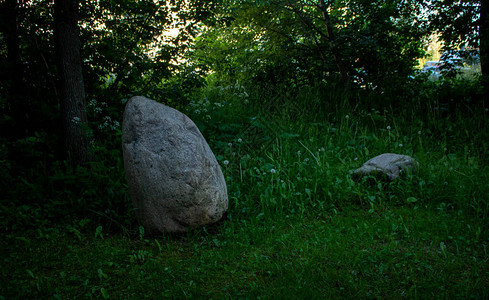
(389, 164)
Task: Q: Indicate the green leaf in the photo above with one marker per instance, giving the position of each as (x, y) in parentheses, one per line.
(141, 232)
(98, 232)
(411, 200)
(104, 293)
(443, 248)
(101, 274)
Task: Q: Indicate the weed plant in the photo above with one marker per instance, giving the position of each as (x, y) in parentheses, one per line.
(298, 226)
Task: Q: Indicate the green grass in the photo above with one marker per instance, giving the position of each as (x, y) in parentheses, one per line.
(298, 225)
(401, 252)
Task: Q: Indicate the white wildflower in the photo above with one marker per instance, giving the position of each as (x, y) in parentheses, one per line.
(388, 128)
(419, 132)
(240, 140)
(226, 162)
(273, 171)
(347, 117)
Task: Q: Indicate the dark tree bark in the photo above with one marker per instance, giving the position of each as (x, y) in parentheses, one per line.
(331, 41)
(13, 73)
(74, 116)
(484, 45)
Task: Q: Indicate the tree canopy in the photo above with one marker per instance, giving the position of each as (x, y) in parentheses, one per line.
(293, 43)
(367, 42)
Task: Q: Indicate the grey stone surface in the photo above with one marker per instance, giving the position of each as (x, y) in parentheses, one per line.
(175, 181)
(390, 164)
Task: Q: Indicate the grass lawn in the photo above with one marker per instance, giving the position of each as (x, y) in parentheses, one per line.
(399, 252)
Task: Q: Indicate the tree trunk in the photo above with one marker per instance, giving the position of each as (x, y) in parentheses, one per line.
(13, 73)
(331, 41)
(74, 115)
(484, 46)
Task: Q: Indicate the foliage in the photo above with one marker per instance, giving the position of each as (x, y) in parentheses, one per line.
(463, 25)
(456, 21)
(117, 38)
(286, 42)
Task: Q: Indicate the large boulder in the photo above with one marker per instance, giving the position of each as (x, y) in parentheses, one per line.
(388, 164)
(174, 179)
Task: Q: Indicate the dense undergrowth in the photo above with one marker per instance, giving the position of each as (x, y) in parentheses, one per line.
(298, 224)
